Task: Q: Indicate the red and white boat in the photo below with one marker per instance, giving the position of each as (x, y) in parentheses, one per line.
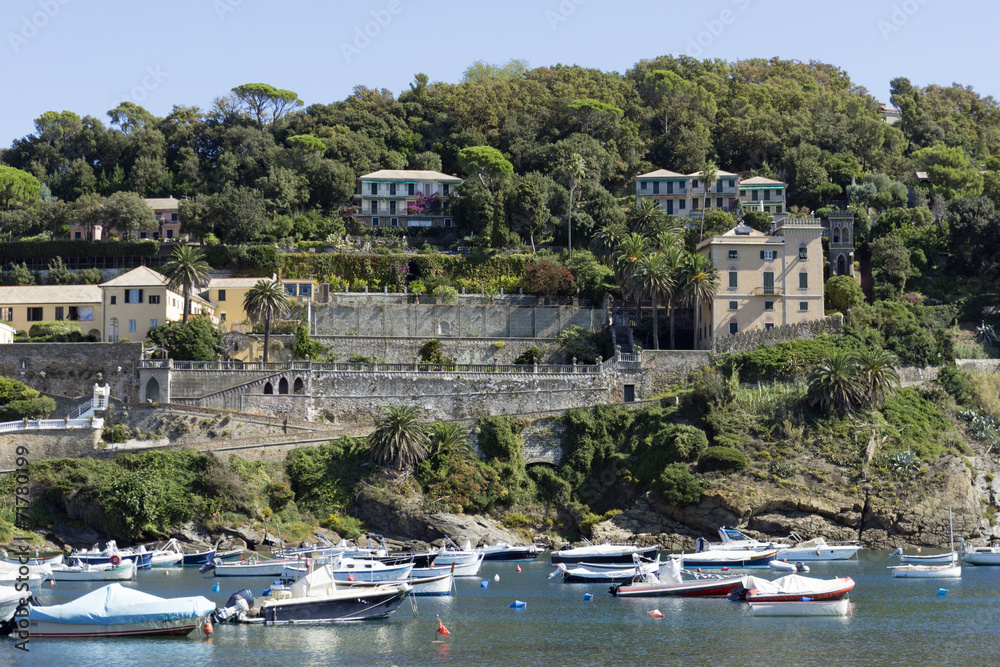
(794, 587)
(670, 583)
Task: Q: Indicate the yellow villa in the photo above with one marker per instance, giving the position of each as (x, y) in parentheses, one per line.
(766, 280)
(139, 300)
(22, 306)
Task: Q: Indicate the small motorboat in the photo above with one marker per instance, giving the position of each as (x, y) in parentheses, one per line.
(911, 571)
(36, 560)
(729, 558)
(115, 611)
(785, 566)
(318, 598)
(177, 555)
(509, 552)
(114, 555)
(12, 573)
(253, 566)
(946, 558)
(799, 549)
(123, 571)
(583, 574)
(456, 570)
(802, 608)
(981, 555)
(10, 598)
(442, 584)
(791, 588)
(670, 583)
(602, 553)
(351, 569)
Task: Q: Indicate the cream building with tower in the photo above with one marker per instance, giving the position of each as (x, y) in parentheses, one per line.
(765, 280)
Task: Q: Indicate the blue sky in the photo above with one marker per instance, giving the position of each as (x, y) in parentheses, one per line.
(87, 55)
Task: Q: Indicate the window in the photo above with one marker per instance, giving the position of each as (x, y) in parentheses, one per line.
(777, 209)
(734, 327)
(803, 280)
(305, 289)
(411, 189)
(446, 189)
(154, 299)
(374, 188)
(173, 217)
(732, 279)
(392, 208)
(734, 254)
(656, 188)
(154, 323)
(142, 235)
(670, 187)
(642, 186)
(290, 290)
(394, 222)
(7, 314)
(392, 189)
(769, 282)
(34, 314)
(732, 183)
(718, 202)
(682, 205)
(447, 222)
(734, 305)
(222, 296)
(133, 296)
(629, 393)
(374, 222)
(718, 186)
(754, 195)
(59, 313)
(767, 195)
(374, 208)
(114, 300)
(803, 253)
(768, 326)
(708, 202)
(156, 236)
(170, 233)
(694, 184)
(768, 254)
(768, 305)
(77, 235)
(74, 313)
(694, 203)
(803, 306)
(132, 326)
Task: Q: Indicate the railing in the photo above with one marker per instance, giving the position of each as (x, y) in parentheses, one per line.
(765, 291)
(305, 366)
(42, 424)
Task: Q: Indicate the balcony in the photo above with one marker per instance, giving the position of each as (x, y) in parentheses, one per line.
(766, 291)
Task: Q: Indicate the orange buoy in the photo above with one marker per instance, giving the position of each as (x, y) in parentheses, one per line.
(350, 577)
(167, 572)
(207, 628)
(518, 568)
(52, 582)
(656, 613)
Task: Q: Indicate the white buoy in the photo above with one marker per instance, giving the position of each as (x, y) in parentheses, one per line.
(496, 577)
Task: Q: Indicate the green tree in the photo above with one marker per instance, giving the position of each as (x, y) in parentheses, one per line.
(400, 440)
(18, 189)
(18, 400)
(653, 277)
(526, 210)
(595, 115)
(699, 281)
(758, 220)
(877, 376)
(194, 340)
(265, 301)
(843, 293)
(575, 170)
(948, 170)
(450, 437)
(834, 383)
(646, 216)
(127, 212)
(264, 103)
(486, 163)
(892, 260)
(305, 347)
(185, 270)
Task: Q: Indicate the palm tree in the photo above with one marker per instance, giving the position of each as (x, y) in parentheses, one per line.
(647, 215)
(604, 242)
(877, 375)
(709, 174)
(833, 382)
(266, 301)
(185, 270)
(576, 168)
(628, 253)
(400, 440)
(449, 436)
(653, 276)
(674, 259)
(699, 281)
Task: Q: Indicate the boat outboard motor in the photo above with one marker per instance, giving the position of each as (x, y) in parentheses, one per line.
(801, 567)
(239, 602)
(208, 567)
(700, 545)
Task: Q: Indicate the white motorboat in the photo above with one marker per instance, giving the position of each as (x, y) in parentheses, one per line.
(10, 598)
(802, 608)
(981, 555)
(441, 584)
(602, 553)
(801, 550)
(720, 558)
(466, 570)
(910, 571)
(35, 560)
(124, 571)
(117, 611)
(584, 574)
(503, 551)
(114, 555)
(11, 573)
(251, 567)
(319, 598)
(352, 569)
(793, 587)
(946, 558)
(671, 583)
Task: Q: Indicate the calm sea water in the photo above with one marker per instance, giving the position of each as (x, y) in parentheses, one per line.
(895, 622)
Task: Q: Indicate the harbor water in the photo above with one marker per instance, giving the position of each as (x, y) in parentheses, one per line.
(893, 622)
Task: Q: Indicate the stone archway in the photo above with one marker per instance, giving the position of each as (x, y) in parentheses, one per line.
(299, 386)
(283, 386)
(268, 388)
(841, 266)
(152, 391)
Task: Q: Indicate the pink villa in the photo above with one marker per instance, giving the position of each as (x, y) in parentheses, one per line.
(165, 209)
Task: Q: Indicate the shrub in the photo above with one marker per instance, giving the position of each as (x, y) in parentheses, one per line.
(53, 330)
(677, 486)
(577, 342)
(446, 293)
(548, 279)
(956, 382)
(345, 526)
(431, 353)
(279, 494)
(725, 459)
(532, 355)
(305, 347)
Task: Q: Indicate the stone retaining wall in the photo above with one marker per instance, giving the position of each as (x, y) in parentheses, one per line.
(47, 444)
(71, 369)
(751, 340)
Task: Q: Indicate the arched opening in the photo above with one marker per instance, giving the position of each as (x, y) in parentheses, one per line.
(768, 323)
(268, 388)
(112, 329)
(734, 326)
(847, 235)
(283, 386)
(836, 235)
(94, 334)
(768, 280)
(841, 265)
(152, 391)
(299, 386)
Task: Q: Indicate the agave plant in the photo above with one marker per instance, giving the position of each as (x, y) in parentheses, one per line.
(904, 462)
(986, 335)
